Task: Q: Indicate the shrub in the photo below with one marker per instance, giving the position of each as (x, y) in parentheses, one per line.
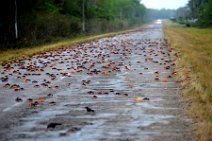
(45, 28)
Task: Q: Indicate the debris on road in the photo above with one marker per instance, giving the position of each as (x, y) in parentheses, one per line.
(115, 88)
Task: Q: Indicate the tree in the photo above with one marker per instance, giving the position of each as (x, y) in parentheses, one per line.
(29, 22)
(197, 10)
(183, 13)
(153, 14)
(83, 15)
(205, 17)
(16, 24)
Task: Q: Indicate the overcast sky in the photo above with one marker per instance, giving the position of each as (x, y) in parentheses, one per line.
(168, 4)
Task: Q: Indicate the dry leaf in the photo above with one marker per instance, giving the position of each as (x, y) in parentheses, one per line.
(41, 100)
(138, 99)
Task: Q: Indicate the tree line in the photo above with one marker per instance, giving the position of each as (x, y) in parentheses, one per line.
(152, 14)
(196, 12)
(33, 21)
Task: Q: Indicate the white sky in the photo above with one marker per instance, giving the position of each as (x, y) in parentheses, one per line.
(168, 4)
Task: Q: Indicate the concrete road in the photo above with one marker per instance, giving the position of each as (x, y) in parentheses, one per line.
(126, 82)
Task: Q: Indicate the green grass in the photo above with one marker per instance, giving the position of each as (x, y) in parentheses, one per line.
(194, 68)
(13, 55)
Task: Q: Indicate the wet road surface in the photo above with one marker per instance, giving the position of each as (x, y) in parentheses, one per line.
(126, 81)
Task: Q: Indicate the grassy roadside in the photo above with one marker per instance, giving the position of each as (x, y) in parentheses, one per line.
(13, 55)
(193, 51)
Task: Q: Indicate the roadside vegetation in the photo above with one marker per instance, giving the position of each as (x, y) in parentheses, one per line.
(193, 53)
(27, 23)
(196, 13)
(31, 27)
(13, 55)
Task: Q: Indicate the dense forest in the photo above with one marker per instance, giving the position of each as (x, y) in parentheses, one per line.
(196, 12)
(31, 22)
(41, 20)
